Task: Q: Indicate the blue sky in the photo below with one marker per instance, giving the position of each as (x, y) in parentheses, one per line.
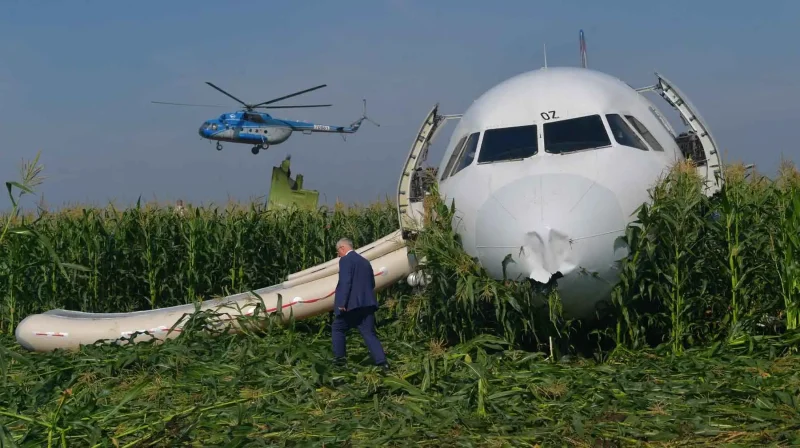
(77, 78)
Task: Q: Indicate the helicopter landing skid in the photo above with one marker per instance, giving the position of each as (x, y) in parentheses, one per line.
(256, 148)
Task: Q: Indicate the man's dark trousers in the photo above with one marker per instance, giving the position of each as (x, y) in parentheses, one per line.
(364, 319)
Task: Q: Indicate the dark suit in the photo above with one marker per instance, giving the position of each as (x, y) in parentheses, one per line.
(356, 293)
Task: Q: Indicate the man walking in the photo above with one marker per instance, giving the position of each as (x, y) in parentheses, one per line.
(355, 304)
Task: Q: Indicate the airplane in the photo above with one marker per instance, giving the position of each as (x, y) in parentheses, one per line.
(547, 168)
(260, 129)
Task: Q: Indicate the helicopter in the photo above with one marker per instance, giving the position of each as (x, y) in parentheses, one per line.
(260, 129)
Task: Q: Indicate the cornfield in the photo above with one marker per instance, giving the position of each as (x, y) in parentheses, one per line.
(698, 344)
(703, 269)
(151, 257)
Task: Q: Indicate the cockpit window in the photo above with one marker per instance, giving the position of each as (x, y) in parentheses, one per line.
(575, 134)
(514, 143)
(623, 133)
(254, 118)
(453, 156)
(645, 133)
(467, 153)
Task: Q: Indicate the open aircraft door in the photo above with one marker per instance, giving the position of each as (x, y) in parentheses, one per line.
(698, 144)
(409, 204)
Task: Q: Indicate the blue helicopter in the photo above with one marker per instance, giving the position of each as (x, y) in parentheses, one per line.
(260, 129)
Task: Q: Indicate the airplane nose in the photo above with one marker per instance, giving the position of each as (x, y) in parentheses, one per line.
(551, 223)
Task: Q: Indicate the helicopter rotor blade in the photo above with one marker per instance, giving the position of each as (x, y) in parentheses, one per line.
(292, 107)
(185, 104)
(290, 95)
(229, 95)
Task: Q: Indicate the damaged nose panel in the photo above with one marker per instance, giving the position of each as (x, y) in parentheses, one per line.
(542, 225)
(546, 251)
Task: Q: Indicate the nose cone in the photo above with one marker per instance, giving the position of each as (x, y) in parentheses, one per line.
(553, 223)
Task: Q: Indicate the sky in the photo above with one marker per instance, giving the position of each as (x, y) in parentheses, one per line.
(77, 79)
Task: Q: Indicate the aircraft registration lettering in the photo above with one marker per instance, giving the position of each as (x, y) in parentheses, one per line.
(322, 127)
(549, 115)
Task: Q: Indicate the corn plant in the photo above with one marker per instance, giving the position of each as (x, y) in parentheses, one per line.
(15, 226)
(785, 242)
(675, 224)
(732, 211)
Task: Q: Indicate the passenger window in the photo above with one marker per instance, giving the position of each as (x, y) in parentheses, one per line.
(623, 133)
(468, 154)
(645, 133)
(453, 156)
(514, 143)
(575, 134)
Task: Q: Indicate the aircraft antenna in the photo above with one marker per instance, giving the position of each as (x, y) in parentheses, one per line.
(582, 45)
(544, 46)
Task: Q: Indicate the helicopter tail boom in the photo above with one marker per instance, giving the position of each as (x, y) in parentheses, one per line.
(351, 129)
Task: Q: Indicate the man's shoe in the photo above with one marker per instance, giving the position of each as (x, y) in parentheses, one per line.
(384, 366)
(340, 362)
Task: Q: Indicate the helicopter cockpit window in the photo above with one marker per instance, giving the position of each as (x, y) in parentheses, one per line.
(575, 134)
(467, 154)
(253, 118)
(504, 144)
(623, 133)
(645, 133)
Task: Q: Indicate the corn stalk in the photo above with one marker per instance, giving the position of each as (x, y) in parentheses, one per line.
(15, 227)
(785, 243)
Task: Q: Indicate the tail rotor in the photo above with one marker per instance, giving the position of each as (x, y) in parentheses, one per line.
(357, 124)
(364, 116)
(354, 126)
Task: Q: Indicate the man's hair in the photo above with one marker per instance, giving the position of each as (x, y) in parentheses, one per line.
(344, 242)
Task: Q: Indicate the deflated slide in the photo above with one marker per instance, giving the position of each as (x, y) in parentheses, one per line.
(306, 293)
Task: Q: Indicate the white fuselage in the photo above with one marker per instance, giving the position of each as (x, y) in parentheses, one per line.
(555, 212)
